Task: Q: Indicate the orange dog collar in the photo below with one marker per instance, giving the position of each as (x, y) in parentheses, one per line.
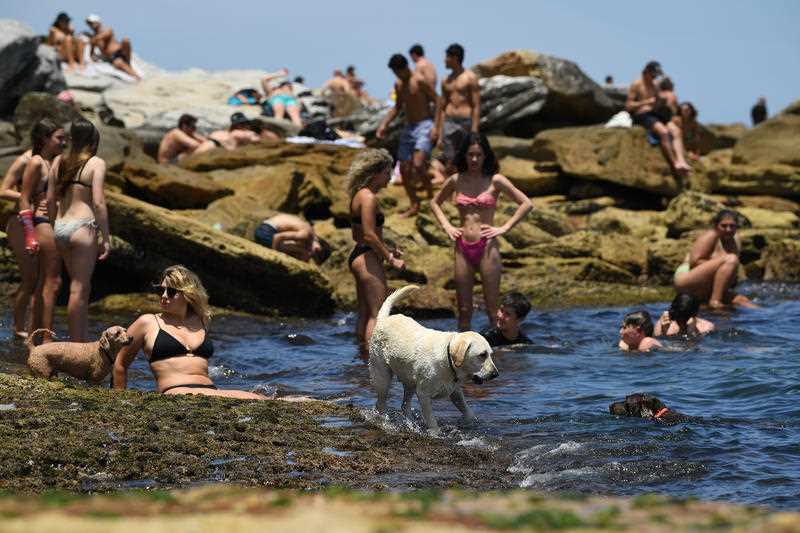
(661, 412)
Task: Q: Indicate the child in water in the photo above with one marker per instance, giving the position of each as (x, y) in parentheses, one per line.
(636, 333)
(682, 319)
(514, 307)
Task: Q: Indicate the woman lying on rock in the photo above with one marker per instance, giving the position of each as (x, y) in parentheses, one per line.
(709, 271)
(476, 187)
(176, 341)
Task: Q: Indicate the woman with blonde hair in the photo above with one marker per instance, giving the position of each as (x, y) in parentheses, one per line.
(35, 216)
(369, 173)
(175, 341)
(77, 196)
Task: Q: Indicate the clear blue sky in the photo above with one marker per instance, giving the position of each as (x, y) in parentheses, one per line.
(721, 54)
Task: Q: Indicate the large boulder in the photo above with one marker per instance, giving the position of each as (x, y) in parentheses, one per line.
(782, 261)
(694, 211)
(774, 179)
(613, 155)
(168, 185)
(237, 273)
(533, 182)
(35, 106)
(25, 65)
(774, 141)
(511, 104)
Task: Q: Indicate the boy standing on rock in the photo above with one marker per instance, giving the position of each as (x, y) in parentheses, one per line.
(459, 109)
(418, 98)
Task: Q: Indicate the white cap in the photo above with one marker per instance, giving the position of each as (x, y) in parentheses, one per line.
(93, 18)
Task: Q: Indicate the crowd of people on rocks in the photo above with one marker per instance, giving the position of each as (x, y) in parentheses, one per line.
(58, 186)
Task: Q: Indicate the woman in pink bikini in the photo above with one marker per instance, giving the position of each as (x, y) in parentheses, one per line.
(477, 185)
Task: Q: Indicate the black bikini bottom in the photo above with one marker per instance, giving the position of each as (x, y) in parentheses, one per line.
(190, 386)
(360, 249)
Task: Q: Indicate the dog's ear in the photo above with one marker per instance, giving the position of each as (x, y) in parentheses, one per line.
(457, 349)
(104, 344)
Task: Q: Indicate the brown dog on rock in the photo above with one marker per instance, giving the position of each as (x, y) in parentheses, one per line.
(91, 361)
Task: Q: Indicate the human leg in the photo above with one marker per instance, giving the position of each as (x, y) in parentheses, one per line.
(677, 145)
(410, 185)
(126, 49)
(699, 281)
(225, 393)
(124, 66)
(28, 273)
(465, 282)
(491, 272)
(661, 131)
(67, 52)
(419, 164)
(372, 281)
(80, 261)
(278, 109)
(294, 114)
(49, 278)
(80, 49)
(724, 278)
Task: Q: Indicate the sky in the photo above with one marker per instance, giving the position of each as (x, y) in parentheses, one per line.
(722, 55)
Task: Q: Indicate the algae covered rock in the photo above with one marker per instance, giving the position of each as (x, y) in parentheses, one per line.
(774, 141)
(781, 261)
(694, 211)
(527, 178)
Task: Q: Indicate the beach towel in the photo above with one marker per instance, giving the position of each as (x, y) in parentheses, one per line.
(620, 120)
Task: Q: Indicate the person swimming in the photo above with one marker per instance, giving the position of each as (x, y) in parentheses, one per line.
(636, 333)
(681, 318)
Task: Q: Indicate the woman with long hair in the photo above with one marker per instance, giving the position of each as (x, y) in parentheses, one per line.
(36, 238)
(477, 186)
(69, 47)
(176, 341)
(369, 173)
(77, 188)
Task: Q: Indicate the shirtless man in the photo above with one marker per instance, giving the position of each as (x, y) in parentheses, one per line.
(181, 141)
(356, 84)
(417, 97)
(422, 65)
(338, 83)
(459, 109)
(118, 54)
(240, 133)
(650, 112)
(293, 236)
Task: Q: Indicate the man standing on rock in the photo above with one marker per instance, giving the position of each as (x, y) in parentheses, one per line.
(181, 141)
(418, 98)
(652, 113)
(422, 65)
(459, 109)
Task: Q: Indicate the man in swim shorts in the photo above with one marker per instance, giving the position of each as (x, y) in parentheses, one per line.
(117, 53)
(181, 141)
(417, 98)
(459, 109)
(293, 236)
(240, 133)
(648, 110)
(422, 65)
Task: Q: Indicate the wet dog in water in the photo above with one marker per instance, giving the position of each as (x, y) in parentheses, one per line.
(645, 406)
(91, 361)
(430, 363)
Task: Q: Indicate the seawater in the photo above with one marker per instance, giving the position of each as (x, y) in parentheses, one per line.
(547, 412)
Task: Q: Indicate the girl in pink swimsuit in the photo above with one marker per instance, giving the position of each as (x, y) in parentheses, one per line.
(476, 186)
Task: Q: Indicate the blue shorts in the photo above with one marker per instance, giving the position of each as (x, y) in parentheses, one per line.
(416, 136)
(264, 234)
(285, 99)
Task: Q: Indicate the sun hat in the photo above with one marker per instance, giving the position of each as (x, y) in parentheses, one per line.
(93, 18)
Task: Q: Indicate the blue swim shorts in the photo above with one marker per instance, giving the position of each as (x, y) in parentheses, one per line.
(416, 136)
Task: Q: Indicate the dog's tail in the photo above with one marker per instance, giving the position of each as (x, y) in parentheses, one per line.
(386, 308)
(30, 341)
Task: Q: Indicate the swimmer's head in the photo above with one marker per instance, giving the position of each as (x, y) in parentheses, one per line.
(189, 285)
(416, 52)
(638, 324)
(399, 65)
(514, 307)
(683, 307)
(369, 164)
(47, 138)
(475, 150)
(454, 56)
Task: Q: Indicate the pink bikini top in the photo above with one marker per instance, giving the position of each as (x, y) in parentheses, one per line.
(484, 199)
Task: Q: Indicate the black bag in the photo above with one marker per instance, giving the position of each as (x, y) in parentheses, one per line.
(319, 129)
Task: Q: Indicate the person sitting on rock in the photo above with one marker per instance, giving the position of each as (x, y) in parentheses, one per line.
(62, 37)
(686, 119)
(681, 318)
(514, 307)
(338, 84)
(119, 54)
(293, 236)
(281, 96)
(240, 133)
(181, 141)
(710, 269)
(636, 333)
(648, 110)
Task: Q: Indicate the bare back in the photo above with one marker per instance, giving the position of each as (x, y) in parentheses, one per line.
(428, 71)
(77, 201)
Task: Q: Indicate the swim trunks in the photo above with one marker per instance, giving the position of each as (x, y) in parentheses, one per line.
(265, 232)
(415, 136)
(683, 267)
(284, 99)
(647, 120)
(454, 130)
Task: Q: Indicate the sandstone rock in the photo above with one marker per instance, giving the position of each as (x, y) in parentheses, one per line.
(510, 146)
(693, 211)
(168, 185)
(774, 141)
(640, 224)
(726, 135)
(524, 175)
(772, 203)
(8, 135)
(584, 207)
(782, 261)
(237, 273)
(664, 256)
(509, 104)
(613, 155)
(777, 180)
(35, 106)
(764, 218)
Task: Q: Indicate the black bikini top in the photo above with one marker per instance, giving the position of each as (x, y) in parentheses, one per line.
(379, 220)
(167, 346)
(77, 180)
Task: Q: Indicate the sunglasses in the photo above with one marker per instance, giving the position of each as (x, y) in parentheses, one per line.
(171, 291)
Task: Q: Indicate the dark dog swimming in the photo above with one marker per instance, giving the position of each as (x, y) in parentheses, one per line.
(643, 405)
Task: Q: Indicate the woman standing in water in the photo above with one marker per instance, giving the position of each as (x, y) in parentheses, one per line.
(78, 191)
(709, 271)
(477, 186)
(176, 341)
(48, 140)
(369, 173)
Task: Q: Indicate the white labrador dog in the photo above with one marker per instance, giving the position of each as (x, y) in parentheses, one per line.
(430, 363)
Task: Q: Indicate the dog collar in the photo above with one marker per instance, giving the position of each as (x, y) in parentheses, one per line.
(661, 413)
(450, 362)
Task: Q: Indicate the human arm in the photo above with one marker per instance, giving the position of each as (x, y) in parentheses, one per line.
(648, 344)
(187, 141)
(269, 77)
(524, 207)
(128, 353)
(391, 115)
(632, 104)
(444, 193)
(475, 95)
(7, 191)
(30, 181)
(702, 248)
(662, 326)
(369, 209)
(100, 209)
(292, 236)
(704, 326)
(438, 120)
(52, 191)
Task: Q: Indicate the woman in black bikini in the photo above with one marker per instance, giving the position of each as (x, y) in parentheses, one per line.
(369, 173)
(176, 342)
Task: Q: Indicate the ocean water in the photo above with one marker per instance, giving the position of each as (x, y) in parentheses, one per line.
(547, 412)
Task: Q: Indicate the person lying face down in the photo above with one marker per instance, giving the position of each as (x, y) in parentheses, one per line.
(636, 333)
(514, 307)
(682, 319)
(293, 236)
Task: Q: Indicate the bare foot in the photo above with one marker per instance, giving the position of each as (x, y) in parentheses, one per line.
(716, 304)
(410, 212)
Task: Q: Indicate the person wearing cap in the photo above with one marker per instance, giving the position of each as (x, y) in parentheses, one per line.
(646, 109)
(181, 141)
(239, 133)
(115, 52)
(69, 48)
